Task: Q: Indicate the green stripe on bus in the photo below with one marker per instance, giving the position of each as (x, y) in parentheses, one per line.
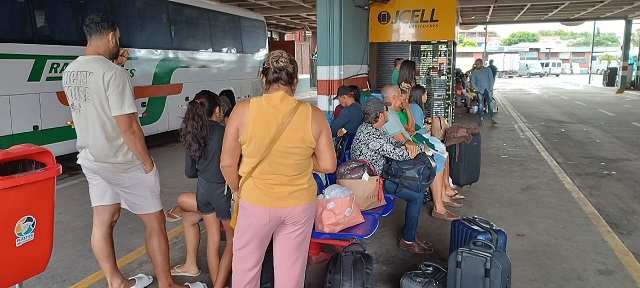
(42, 137)
(155, 106)
(40, 61)
(164, 71)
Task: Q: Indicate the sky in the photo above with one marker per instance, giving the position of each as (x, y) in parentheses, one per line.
(616, 26)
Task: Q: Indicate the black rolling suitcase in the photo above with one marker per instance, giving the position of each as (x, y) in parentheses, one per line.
(464, 161)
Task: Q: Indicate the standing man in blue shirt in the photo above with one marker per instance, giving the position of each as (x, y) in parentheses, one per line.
(482, 80)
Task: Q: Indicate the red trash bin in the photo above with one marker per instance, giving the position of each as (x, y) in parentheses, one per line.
(27, 193)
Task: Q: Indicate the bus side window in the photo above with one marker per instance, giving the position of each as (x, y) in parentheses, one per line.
(143, 23)
(254, 37)
(60, 22)
(190, 28)
(225, 34)
(16, 26)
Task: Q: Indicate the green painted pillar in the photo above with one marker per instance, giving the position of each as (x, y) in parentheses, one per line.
(343, 47)
(626, 45)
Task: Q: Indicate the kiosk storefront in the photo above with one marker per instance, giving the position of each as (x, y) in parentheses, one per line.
(422, 31)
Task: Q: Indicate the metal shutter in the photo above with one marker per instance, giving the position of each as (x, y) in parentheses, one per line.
(387, 53)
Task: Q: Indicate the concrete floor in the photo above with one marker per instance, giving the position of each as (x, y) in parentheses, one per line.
(552, 241)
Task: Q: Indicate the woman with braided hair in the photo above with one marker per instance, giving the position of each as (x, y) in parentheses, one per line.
(276, 196)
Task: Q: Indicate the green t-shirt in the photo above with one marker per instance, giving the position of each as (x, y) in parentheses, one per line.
(394, 77)
(418, 138)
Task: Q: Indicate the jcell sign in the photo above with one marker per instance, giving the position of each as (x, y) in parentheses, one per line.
(413, 20)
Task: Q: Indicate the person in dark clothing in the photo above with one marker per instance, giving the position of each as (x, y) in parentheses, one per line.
(356, 92)
(231, 99)
(202, 134)
(494, 68)
(350, 117)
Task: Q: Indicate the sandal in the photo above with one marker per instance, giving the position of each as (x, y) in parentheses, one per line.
(177, 272)
(141, 281)
(196, 285)
(172, 217)
(457, 196)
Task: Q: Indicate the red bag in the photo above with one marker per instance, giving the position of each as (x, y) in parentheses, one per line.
(334, 215)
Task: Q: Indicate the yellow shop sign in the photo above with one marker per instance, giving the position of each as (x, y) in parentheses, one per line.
(413, 20)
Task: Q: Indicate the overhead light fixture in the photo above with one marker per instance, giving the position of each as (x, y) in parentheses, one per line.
(473, 17)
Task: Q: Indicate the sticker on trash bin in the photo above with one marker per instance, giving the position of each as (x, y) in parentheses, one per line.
(24, 230)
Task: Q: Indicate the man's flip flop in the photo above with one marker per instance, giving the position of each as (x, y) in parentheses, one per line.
(196, 285)
(171, 217)
(141, 281)
(177, 272)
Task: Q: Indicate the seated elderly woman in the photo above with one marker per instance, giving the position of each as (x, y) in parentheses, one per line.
(373, 144)
(394, 128)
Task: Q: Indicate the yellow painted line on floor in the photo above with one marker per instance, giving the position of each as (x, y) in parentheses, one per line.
(621, 251)
(95, 277)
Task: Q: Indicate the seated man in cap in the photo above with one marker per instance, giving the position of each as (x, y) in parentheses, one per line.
(374, 145)
(350, 117)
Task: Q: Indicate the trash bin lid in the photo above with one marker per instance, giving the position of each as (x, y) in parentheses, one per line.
(26, 163)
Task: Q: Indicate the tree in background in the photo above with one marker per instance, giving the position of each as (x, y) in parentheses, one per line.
(467, 43)
(635, 38)
(601, 40)
(563, 34)
(493, 34)
(608, 58)
(520, 37)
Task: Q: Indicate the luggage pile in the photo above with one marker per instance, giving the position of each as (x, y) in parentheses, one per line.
(477, 259)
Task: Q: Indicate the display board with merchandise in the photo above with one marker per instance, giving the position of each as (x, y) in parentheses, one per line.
(435, 62)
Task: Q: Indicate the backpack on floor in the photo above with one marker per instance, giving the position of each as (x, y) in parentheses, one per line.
(350, 268)
(430, 276)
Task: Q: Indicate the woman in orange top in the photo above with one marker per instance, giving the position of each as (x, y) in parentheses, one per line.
(278, 199)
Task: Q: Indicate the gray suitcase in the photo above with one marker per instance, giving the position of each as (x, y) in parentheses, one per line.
(479, 265)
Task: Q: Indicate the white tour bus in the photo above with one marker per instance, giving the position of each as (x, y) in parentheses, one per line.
(176, 49)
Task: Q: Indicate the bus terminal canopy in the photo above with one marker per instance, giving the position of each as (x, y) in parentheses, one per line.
(480, 12)
(288, 15)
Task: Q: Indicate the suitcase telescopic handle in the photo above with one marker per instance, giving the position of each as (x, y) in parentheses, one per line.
(493, 248)
(484, 223)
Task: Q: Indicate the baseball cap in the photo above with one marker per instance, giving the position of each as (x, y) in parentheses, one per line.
(343, 90)
(374, 106)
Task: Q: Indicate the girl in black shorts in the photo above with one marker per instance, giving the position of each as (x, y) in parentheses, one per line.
(201, 134)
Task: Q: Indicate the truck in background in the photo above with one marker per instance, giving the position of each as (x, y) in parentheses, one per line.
(507, 64)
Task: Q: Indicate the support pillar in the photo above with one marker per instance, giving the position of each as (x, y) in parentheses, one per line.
(626, 45)
(343, 48)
